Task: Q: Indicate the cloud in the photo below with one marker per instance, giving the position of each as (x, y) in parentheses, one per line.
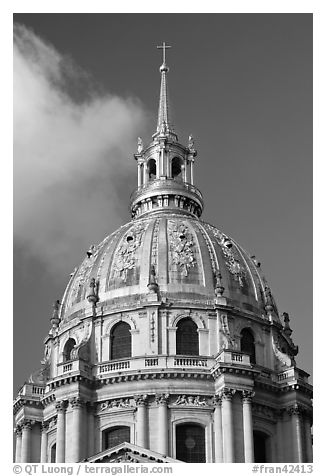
(73, 153)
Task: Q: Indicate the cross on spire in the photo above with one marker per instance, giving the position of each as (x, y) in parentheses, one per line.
(163, 47)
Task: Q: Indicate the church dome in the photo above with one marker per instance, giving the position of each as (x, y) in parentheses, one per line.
(189, 261)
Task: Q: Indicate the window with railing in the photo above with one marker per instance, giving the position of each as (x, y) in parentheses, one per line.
(69, 345)
(247, 344)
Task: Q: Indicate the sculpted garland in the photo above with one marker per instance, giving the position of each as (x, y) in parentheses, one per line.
(181, 246)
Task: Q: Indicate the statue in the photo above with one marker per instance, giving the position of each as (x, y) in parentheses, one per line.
(191, 142)
(140, 146)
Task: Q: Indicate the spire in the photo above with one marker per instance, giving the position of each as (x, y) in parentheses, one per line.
(164, 127)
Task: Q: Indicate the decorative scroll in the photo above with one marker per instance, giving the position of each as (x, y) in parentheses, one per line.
(182, 246)
(126, 254)
(232, 262)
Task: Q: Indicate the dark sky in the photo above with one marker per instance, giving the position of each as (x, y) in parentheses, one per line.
(240, 83)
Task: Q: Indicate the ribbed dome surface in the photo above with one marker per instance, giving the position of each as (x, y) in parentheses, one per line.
(187, 255)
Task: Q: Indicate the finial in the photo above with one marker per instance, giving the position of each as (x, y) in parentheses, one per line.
(268, 298)
(152, 284)
(55, 316)
(219, 288)
(163, 47)
(287, 329)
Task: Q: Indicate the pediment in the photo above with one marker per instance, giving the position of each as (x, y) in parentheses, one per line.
(127, 452)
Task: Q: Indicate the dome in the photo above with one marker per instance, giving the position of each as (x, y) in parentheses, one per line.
(189, 258)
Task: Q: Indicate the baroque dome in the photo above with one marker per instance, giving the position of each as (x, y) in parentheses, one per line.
(188, 260)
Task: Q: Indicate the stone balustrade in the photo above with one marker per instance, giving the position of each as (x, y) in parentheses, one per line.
(232, 357)
(161, 362)
(77, 365)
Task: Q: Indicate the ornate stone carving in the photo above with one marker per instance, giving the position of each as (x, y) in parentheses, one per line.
(53, 423)
(191, 400)
(227, 393)
(162, 399)
(295, 409)
(44, 426)
(55, 320)
(247, 396)
(181, 246)
(115, 404)
(83, 273)
(232, 260)
(191, 142)
(140, 145)
(18, 430)
(284, 359)
(61, 406)
(27, 424)
(126, 253)
(77, 402)
(216, 401)
(141, 400)
(226, 340)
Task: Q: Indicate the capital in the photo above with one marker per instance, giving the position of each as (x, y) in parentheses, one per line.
(61, 406)
(247, 396)
(141, 400)
(295, 409)
(227, 393)
(27, 424)
(216, 401)
(162, 399)
(77, 402)
(44, 426)
(18, 430)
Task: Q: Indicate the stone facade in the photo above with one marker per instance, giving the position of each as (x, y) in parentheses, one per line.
(168, 330)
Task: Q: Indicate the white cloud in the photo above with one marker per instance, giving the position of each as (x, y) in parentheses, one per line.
(71, 157)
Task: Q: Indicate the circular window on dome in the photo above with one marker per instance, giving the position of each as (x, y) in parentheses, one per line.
(129, 238)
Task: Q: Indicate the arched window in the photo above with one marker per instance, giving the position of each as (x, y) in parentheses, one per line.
(151, 167)
(120, 341)
(176, 168)
(247, 344)
(260, 447)
(190, 439)
(69, 345)
(114, 436)
(187, 337)
(52, 453)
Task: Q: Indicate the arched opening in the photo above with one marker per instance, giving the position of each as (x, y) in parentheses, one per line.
(187, 339)
(190, 443)
(151, 167)
(247, 344)
(52, 453)
(176, 168)
(120, 341)
(67, 350)
(114, 436)
(260, 447)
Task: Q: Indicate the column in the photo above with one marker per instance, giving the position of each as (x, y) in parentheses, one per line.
(144, 173)
(307, 430)
(44, 442)
(18, 432)
(296, 422)
(218, 435)
(26, 442)
(172, 340)
(191, 171)
(227, 425)
(142, 424)
(139, 166)
(279, 435)
(248, 434)
(61, 432)
(162, 402)
(91, 436)
(77, 405)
